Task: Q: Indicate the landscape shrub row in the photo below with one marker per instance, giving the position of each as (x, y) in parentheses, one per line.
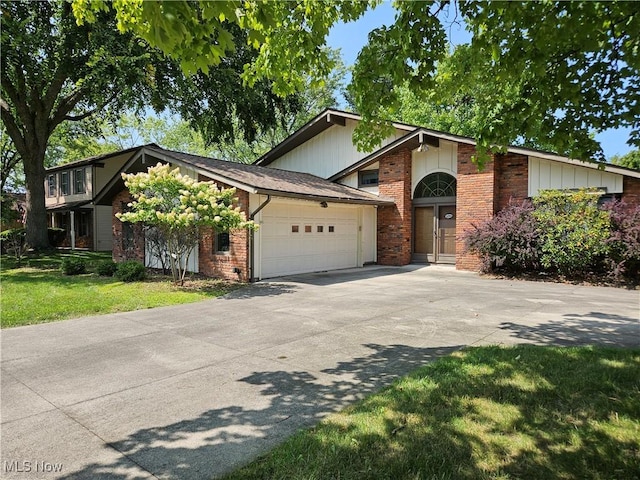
(565, 233)
(129, 271)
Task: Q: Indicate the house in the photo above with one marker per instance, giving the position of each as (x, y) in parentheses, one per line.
(322, 205)
(70, 190)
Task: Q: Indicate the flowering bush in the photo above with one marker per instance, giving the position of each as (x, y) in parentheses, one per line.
(623, 244)
(177, 206)
(509, 240)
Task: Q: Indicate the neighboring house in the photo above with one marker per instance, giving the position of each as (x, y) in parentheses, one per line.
(322, 205)
(70, 190)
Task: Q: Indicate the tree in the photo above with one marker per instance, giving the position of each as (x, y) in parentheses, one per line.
(54, 71)
(629, 160)
(178, 207)
(554, 71)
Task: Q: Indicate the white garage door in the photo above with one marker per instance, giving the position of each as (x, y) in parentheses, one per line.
(299, 238)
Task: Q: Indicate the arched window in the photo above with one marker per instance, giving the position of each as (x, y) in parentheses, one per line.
(435, 185)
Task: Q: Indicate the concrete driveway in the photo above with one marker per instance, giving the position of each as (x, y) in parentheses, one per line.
(194, 391)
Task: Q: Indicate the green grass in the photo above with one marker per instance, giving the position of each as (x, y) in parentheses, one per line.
(38, 292)
(482, 413)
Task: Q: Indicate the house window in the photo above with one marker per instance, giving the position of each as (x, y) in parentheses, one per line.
(320, 228)
(367, 178)
(78, 181)
(436, 185)
(331, 229)
(222, 242)
(64, 184)
(295, 228)
(83, 226)
(307, 229)
(51, 181)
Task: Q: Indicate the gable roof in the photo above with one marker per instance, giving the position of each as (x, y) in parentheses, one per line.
(96, 159)
(415, 136)
(250, 178)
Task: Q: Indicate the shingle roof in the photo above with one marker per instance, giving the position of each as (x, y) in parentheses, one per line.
(274, 181)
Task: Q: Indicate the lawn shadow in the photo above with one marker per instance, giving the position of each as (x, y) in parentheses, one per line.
(223, 439)
(593, 328)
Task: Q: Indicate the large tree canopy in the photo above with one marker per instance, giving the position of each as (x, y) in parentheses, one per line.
(556, 71)
(55, 71)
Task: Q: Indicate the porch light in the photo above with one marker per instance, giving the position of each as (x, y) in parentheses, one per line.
(324, 204)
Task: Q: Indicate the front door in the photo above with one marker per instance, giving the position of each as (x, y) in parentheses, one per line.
(434, 234)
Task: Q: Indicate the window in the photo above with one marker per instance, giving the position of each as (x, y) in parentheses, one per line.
(331, 229)
(78, 181)
(51, 181)
(320, 229)
(83, 224)
(436, 185)
(222, 242)
(307, 229)
(367, 178)
(64, 183)
(295, 229)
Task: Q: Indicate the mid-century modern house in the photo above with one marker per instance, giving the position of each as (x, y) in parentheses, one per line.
(322, 205)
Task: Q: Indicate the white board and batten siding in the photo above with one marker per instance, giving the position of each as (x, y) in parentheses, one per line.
(302, 237)
(441, 159)
(328, 152)
(550, 175)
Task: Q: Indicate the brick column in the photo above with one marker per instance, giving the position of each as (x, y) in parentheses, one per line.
(631, 191)
(512, 172)
(477, 200)
(394, 221)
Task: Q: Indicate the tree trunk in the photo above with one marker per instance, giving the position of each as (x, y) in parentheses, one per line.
(36, 217)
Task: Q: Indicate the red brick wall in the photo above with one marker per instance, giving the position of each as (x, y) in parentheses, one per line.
(222, 265)
(394, 222)
(476, 201)
(512, 172)
(124, 249)
(631, 188)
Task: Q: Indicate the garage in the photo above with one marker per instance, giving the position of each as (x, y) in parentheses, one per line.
(298, 237)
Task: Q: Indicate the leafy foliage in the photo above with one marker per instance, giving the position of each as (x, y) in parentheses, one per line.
(130, 271)
(73, 266)
(573, 230)
(177, 206)
(623, 245)
(629, 160)
(14, 243)
(106, 268)
(548, 72)
(561, 232)
(509, 240)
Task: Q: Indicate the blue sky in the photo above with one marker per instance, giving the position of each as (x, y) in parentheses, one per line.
(351, 37)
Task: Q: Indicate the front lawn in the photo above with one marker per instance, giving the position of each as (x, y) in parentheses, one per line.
(38, 292)
(481, 413)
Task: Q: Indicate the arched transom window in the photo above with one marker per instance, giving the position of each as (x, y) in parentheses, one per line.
(435, 185)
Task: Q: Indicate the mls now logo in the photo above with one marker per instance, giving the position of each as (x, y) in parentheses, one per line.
(27, 466)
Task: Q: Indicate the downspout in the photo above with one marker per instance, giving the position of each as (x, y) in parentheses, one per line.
(252, 239)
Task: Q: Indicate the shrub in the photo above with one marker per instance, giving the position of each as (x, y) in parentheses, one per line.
(106, 268)
(509, 240)
(13, 242)
(56, 236)
(573, 231)
(130, 271)
(623, 244)
(73, 266)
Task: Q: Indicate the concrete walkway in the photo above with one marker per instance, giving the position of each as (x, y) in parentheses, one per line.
(194, 391)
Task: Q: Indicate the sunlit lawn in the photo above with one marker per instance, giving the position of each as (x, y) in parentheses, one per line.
(482, 413)
(38, 291)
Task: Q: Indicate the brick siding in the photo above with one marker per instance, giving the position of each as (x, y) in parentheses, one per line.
(222, 265)
(631, 189)
(512, 172)
(394, 221)
(476, 201)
